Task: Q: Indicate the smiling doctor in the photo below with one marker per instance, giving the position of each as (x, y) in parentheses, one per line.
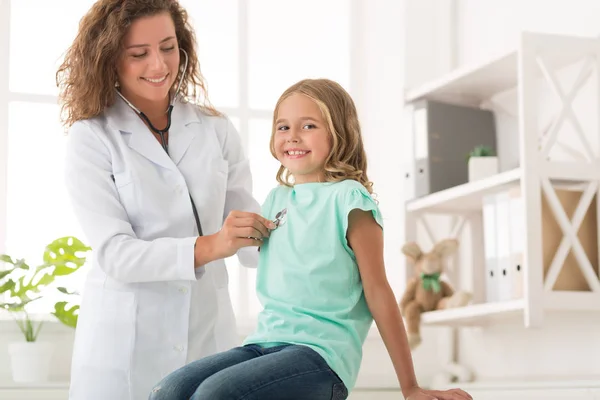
(161, 188)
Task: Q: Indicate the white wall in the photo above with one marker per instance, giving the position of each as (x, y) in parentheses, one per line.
(490, 27)
(379, 99)
(429, 39)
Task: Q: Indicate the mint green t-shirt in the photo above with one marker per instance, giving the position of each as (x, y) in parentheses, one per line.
(308, 280)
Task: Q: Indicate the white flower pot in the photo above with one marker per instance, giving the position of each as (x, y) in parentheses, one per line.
(482, 167)
(30, 361)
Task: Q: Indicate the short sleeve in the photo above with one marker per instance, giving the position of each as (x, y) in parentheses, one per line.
(267, 205)
(358, 197)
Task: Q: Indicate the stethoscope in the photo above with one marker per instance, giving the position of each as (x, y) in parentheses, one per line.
(280, 218)
(161, 132)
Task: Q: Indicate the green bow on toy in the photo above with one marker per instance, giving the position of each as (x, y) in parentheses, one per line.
(431, 281)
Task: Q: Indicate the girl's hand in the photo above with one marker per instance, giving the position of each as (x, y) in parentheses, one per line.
(452, 394)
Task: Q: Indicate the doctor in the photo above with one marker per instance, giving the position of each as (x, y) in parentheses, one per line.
(162, 190)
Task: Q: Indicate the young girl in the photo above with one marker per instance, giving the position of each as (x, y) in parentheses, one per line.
(321, 276)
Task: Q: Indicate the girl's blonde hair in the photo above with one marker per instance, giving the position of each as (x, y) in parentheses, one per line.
(347, 159)
(86, 79)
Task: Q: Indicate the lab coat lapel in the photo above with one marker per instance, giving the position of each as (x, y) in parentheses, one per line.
(136, 133)
(184, 128)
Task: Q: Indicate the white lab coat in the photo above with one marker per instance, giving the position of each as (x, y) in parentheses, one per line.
(145, 311)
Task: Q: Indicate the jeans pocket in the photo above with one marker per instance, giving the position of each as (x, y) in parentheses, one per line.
(339, 392)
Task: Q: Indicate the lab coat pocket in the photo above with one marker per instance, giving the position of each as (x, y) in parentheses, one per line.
(127, 196)
(122, 179)
(219, 186)
(225, 332)
(109, 330)
(219, 274)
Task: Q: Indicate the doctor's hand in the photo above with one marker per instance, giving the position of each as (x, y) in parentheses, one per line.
(240, 229)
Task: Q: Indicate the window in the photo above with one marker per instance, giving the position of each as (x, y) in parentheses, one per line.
(249, 51)
(37, 210)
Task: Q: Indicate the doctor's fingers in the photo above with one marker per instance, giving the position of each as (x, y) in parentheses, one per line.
(239, 215)
(246, 232)
(248, 242)
(258, 226)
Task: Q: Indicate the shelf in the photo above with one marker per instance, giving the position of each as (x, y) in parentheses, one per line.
(469, 196)
(472, 85)
(488, 313)
(466, 197)
(474, 315)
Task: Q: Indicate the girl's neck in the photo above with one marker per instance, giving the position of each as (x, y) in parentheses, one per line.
(314, 177)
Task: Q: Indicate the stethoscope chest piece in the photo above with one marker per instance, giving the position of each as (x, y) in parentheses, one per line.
(280, 218)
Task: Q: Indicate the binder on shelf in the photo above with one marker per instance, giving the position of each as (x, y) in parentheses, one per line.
(504, 278)
(441, 135)
(490, 252)
(503, 230)
(517, 244)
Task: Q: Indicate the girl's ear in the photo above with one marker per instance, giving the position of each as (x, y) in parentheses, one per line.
(445, 247)
(412, 251)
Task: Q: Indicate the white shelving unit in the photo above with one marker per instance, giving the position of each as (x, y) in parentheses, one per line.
(535, 60)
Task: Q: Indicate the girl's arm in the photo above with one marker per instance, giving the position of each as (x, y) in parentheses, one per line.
(365, 237)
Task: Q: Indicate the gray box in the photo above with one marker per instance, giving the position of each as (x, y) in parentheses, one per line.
(442, 136)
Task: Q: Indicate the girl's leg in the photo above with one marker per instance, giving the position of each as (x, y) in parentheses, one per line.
(182, 383)
(282, 373)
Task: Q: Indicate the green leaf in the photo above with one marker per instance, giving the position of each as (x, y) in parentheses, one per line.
(66, 316)
(480, 151)
(66, 291)
(7, 286)
(45, 280)
(62, 270)
(37, 331)
(5, 273)
(6, 258)
(63, 255)
(28, 328)
(22, 287)
(21, 264)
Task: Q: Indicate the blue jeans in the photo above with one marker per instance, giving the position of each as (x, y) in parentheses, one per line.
(286, 372)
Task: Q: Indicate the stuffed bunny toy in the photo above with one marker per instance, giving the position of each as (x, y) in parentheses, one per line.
(426, 291)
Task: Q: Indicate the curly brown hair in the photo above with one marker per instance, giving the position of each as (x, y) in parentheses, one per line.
(86, 79)
(347, 159)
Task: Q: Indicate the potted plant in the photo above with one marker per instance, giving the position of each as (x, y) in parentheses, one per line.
(482, 163)
(21, 285)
